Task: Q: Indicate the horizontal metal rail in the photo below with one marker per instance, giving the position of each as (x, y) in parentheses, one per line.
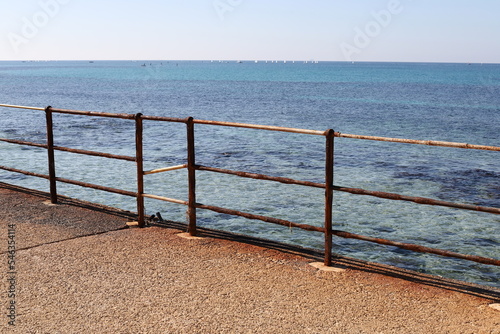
(98, 187)
(261, 127)
(22, 142)
(94, 153)
(21, 107)
(418, 248)
(72, 150)
(260, 176)
(74, 182)
(259, 217)
(74, 112)
(166, 199)
(419, 200)
(91, 113)
(20, 171)
(166, 169)
(165, 119)
(266, 127)
(420, 142)
(357, 191)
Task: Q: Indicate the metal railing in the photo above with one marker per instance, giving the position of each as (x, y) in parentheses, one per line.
(192, 167)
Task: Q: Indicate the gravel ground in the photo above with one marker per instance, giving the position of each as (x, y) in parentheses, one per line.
(79, 271)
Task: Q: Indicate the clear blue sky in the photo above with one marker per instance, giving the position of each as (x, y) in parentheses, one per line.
(337, 30)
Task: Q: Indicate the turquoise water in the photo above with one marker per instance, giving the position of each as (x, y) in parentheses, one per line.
(449, 102)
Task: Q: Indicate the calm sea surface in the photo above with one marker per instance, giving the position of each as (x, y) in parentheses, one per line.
(448, 102)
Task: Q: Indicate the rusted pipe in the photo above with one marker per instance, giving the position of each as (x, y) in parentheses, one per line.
(418, 248)
(328, 196)
(51, 157)
(71, 150)
(94, 153)
(259, 217)
(22, 142)
(260, 176)
(165, 119)
(93, 113)
(420, 142)
(20, 171)
(261, 127)
(191, 166)
(419, 200)
(98, 187)
(140, 169)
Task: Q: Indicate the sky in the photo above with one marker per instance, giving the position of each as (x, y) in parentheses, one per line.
(323, 30)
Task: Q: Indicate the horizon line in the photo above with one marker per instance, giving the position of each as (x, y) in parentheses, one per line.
(252, 61)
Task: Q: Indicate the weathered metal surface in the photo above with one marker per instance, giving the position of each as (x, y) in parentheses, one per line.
(419, 200)
(93, 113)
(165, 119)
(71, 150)
(140, 169)
(261, 127)
(94, 153)
(21, 107)
(260, 176)
(328, 196)
(20, 171)
(166, 169)
(166, 199)
(420, 142)
(22, 142)
(418, 248)
(191, 165)
(50, 155)
(356, 191)
(98, 187)
(259, 217)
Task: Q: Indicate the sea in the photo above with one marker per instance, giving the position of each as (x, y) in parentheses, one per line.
(425, 101)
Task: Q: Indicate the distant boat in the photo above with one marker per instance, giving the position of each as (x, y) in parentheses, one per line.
(91, 62)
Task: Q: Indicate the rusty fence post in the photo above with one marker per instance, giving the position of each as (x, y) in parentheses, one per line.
(328, 195)
(51, 157)
(191, 177)
(140, 169)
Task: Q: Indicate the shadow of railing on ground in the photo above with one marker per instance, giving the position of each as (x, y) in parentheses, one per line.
(476, 290)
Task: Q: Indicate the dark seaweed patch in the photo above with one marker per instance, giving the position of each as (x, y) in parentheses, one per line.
(475, 186)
